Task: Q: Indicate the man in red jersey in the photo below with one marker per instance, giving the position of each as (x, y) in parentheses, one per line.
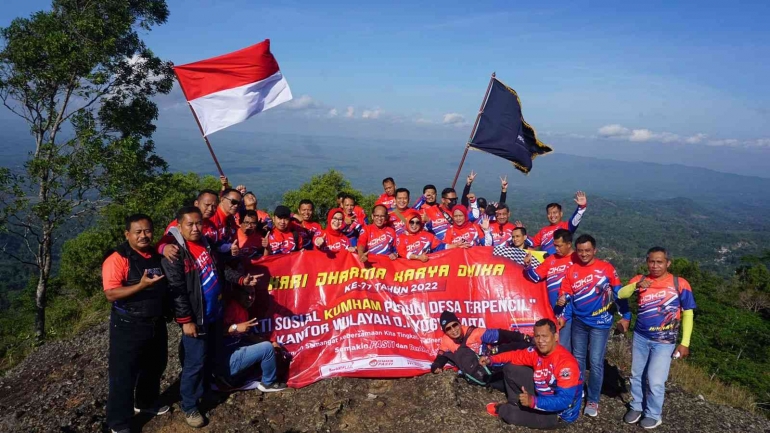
(353, 212)
(439, 218)
(552, 270)
(248, 243)
(502, 230)
(224, 218)
(305, 213)
(388, 198)
(285, 237)
(397, 218)
(206, 202)
(590, 285)
(543, 383)
(377, 238)
(544, 238)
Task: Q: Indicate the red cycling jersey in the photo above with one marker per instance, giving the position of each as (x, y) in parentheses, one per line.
(225, 226)
(388, 201)
(378, 240)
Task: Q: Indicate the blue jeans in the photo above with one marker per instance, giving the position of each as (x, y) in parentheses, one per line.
(238, 358)
(565, 336)
(651, 360)
(592, 341)
(198, 364)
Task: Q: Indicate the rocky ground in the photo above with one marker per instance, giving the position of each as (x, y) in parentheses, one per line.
(62, 387)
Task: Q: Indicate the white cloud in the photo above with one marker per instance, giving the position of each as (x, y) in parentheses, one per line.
(332, 113)
(304, 102)
(371, 114)
(620, 132)
(350, 112)
(453, 119)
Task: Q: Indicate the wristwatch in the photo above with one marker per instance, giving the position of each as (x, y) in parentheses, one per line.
(233, 327)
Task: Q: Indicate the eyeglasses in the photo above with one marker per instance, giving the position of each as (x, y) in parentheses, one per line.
(414, 222)
(452, 325)
(338, 219)
(233, 201)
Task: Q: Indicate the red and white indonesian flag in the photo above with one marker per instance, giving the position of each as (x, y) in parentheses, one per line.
(229, 89)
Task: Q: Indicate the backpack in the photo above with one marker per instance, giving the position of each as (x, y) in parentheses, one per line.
(465, 359)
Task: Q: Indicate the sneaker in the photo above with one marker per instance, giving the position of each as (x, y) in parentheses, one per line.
(155, 410)
(650, 423)
(492, 409)
(592, 409)
(273, 387)
(194, 419)
(632, 416)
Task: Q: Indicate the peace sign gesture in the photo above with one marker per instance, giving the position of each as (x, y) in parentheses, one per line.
(504, 183)
(470, 178)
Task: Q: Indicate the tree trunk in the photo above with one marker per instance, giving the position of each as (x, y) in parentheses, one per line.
(42, 284)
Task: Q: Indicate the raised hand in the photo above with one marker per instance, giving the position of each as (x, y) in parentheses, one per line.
(504, 183)
(223, 180)
(251, 280)
(469, 179)
(485, 222)
(234, 249)
(244, 326)
(241, 188)
(518, 223)
(580, 198)
(265, 242)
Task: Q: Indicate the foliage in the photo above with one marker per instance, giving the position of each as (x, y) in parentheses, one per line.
(323, 189)
(81, 78)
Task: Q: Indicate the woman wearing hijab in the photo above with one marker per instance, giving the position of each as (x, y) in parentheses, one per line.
(416, 243)
(464, 233)
(332, 239)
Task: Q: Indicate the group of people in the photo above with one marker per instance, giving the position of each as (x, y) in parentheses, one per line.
(200, 274)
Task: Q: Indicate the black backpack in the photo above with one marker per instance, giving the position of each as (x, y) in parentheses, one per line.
(465, 359)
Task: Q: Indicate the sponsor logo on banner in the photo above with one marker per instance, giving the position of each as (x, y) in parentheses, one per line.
(376, 363)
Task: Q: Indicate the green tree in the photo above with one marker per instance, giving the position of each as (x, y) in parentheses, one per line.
(82, 79)
(323, 189)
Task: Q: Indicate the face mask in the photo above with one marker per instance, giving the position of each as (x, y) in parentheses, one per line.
(452, 203)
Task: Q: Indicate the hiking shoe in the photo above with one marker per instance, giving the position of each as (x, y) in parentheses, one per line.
(632, 416)
(194, 419)
(273, 387)
(650, 423)
(592, 409)
(492, 409)
(155, 410)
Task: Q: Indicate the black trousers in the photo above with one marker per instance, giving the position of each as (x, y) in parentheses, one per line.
(517, 376)
(137, 360)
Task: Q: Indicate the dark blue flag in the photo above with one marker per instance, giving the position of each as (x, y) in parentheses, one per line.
(502, 130)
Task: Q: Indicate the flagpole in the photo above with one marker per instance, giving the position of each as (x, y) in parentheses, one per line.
(473, 131)
(200, 128)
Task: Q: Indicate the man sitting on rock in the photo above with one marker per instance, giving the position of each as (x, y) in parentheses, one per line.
(480, 341)
(543, 383)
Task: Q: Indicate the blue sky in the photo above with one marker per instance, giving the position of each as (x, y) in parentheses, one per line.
(685, 81)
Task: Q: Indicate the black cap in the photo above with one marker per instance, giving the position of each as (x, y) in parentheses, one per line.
(446, 318)
(282, 212)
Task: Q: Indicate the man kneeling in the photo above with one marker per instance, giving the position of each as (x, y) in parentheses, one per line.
(244, 349)
(543, 383)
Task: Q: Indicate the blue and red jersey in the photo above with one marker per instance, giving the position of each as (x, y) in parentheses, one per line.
(661, 306)
(439, 220)
(398, 225)
(378, 240)
(502, 234)
(558, 379)
(553, 271)
(417, 244)
(471, 233)
(389, 201)
(591, 289)
(283, 242)
(313, 228)
(544, 238)
(210, 285)
(226, 228)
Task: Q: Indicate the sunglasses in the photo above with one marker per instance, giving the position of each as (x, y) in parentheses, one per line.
(452, 325)
(233, 201)
(414, 222)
